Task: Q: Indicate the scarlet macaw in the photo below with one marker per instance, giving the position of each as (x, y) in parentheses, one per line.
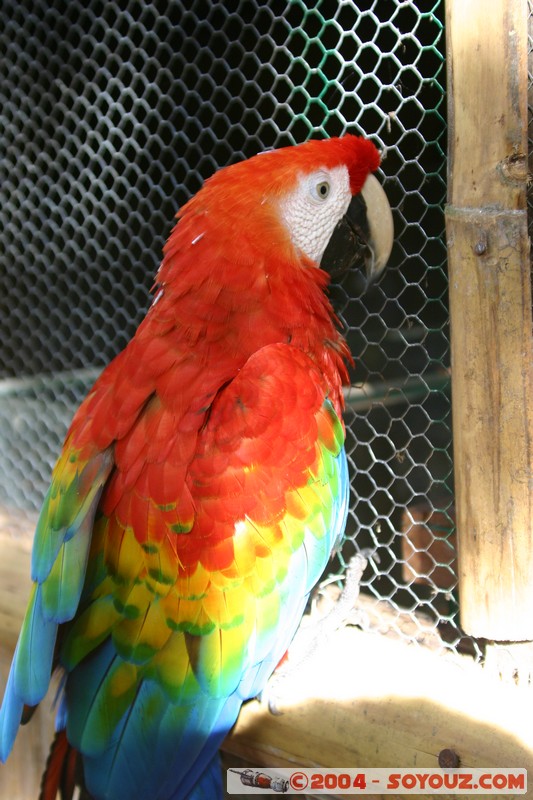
(203, 482)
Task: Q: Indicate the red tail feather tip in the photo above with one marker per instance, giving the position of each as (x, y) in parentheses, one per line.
(63, 771)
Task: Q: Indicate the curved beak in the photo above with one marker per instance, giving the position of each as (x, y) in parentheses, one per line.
(363, 236)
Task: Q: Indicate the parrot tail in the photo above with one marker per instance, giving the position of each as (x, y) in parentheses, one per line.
(63, 772)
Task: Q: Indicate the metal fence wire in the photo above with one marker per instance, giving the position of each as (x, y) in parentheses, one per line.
(112, 114)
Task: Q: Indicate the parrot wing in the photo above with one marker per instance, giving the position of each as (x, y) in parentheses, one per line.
(177, 629)
(59, 558)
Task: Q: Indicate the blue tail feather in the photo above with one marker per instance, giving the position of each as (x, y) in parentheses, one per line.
(29, 676)
(35, 652)
(10, 715)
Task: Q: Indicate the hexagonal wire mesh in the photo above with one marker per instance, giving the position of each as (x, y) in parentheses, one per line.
(113, 113)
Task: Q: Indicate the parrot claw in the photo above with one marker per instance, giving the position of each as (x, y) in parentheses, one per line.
(270, 696)
(312, 636)
(344, 606)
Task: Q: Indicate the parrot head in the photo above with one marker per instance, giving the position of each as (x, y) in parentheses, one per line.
(339, 215)
(316, 204)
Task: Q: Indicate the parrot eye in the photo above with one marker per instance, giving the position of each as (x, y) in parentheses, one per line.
(321, 190)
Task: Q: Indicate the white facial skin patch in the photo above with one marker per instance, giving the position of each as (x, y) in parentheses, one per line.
(313, 209)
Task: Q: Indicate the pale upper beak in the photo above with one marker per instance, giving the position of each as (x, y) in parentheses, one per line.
(364, 235)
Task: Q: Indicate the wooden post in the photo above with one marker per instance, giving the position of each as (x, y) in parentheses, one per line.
(491, 319)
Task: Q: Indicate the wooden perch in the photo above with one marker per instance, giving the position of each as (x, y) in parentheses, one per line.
(491, 319)
(369, 701)
(364, 700)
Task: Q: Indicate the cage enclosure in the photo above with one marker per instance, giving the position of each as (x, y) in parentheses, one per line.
(112, 114)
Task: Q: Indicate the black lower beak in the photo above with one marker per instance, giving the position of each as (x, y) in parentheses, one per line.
(349, 245)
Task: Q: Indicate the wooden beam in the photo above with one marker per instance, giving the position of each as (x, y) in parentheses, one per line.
(490, 310)
(369, 701)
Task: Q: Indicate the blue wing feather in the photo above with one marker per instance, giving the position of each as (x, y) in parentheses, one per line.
(209, 787)
(59, 563)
